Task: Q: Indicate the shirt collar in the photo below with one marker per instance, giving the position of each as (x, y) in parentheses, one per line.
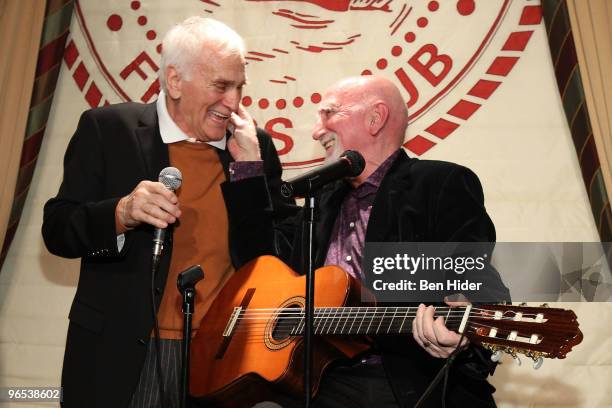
(376, 178)
(372, 183)
(170, 132)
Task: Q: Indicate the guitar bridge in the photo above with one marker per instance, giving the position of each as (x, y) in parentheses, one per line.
(232, 322)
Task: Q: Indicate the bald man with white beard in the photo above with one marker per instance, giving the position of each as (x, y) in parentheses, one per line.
(395, 199)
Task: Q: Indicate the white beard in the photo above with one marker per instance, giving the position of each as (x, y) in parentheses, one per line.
(336, 151)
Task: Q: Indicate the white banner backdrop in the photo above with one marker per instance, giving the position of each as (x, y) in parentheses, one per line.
(478, 81)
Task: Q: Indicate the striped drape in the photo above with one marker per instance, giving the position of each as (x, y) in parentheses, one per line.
(58, 14)
(567, 71)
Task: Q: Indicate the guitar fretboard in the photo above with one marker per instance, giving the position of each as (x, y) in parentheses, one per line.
(361, 320)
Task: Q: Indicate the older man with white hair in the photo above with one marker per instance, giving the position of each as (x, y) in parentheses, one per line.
(108, 206)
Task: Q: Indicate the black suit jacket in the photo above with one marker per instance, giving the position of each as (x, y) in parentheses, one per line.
(421, 201)
(112, 150)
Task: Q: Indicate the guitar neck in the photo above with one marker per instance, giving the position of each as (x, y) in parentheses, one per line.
(537, 332)
(365, 320)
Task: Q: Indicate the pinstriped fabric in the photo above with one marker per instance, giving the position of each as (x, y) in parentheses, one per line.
(146, 394)
(570, 86)
(53, 39)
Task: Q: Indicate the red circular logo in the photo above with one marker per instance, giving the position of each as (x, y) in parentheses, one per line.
(447, 57)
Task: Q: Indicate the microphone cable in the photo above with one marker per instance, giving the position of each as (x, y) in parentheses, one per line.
(159, 376)
(447, 366)
(443, 372)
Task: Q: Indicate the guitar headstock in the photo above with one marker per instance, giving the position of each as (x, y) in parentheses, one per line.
(537, 332)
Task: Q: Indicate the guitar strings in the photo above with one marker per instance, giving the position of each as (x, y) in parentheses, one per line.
(258, 338)
(354, 316)
(391, 328)
(395, 329)
(286, 318)
(321, 326)
(365, 314)
(471, 327)
(372, 319)
(326, 323)
(358, 309)
(318, 320)
(461, 308)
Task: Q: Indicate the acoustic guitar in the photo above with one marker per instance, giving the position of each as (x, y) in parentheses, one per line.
(250, 341)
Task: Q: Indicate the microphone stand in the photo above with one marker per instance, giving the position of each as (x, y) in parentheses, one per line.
(186, 285)
(310, 216)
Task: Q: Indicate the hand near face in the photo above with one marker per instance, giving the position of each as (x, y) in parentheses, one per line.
(433, 335)
(243, 145)
(151, 203)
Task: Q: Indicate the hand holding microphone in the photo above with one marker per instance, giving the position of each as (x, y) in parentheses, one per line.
(151, 203)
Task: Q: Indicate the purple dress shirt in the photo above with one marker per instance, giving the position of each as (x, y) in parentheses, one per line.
(348, 234)
(245, 169)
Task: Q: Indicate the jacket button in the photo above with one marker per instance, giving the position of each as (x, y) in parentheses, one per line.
(158, 290)
(142, 341)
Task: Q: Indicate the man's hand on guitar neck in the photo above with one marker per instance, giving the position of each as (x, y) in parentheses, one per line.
(432, 334)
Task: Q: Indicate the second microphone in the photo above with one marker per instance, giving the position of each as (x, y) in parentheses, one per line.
(350, 164)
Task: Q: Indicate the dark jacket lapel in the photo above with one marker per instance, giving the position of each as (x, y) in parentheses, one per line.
(153, 152)
(225, 157)
(389, 203)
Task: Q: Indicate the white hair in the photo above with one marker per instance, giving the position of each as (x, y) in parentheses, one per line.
(185, 41)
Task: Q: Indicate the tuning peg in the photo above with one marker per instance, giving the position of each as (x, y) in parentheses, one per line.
(523, 304)
(537, 363)
(495, 357)
(544, 305)
(517, 359)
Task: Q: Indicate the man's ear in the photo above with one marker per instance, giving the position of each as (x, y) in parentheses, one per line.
(173, 82)
(378, 116)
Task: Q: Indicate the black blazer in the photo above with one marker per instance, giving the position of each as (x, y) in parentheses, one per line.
(112, 150)
(422, 201)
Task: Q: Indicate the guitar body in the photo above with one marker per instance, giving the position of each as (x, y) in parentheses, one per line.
(241, 368)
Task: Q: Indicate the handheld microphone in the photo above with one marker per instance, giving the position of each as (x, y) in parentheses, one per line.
(171, 178)
(350, 164)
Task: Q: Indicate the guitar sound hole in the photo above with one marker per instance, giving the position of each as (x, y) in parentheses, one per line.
(287, 323)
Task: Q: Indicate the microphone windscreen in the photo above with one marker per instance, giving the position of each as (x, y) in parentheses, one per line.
(171, 177)
(356, 160)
